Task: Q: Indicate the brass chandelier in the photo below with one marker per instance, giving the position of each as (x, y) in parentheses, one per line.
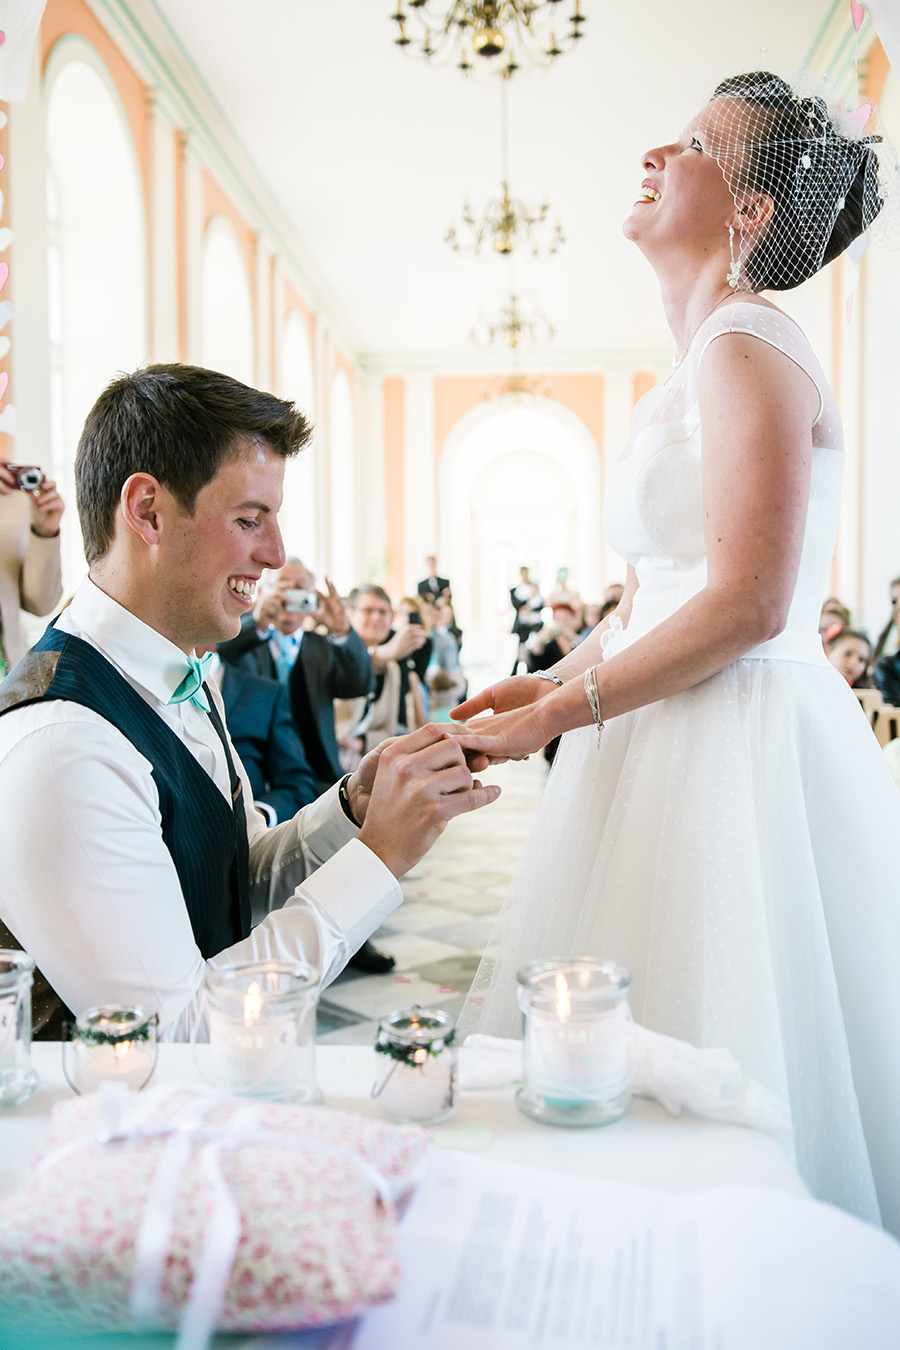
(506, 222)
(495, 35)
(513, 326)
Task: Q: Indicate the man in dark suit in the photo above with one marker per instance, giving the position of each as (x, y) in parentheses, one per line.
(433, 586)
(279, 640)
(259, 721)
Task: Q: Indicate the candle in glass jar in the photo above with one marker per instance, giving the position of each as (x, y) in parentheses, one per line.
(417, 1079)
(576, 1048)
(262, 1029)
(111, 1043)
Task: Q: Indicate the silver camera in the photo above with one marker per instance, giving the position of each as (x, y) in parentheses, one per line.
(300, 602)
(28, 476)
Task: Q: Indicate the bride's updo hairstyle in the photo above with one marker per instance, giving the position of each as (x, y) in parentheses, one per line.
(823, 181)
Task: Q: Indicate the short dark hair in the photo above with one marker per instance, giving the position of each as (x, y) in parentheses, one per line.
(368, 588)
(795, 128)
(178, 423)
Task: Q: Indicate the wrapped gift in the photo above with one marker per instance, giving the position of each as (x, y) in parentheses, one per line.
(181, 1207)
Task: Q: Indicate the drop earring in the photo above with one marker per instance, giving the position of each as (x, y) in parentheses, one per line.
(734, 272)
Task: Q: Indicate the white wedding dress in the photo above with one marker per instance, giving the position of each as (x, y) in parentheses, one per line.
(734, 846)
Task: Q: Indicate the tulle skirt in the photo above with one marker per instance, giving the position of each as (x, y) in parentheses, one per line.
(736, 847)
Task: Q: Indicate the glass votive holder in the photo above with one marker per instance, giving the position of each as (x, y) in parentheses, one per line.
(17, 1078)
(416, 1080)
(110, 1043)
(262, 1030)
(576, 1044)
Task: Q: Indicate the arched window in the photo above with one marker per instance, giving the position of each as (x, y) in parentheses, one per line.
(296, 382)
(342, 487)
(96, 262)
(226, 310)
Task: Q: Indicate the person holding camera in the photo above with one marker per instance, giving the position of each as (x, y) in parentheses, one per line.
(283, 638)
(30, 576)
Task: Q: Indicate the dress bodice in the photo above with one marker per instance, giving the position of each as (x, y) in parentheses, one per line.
(653, 511)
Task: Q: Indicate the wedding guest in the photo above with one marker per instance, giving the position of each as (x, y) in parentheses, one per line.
(614, 592)
(433, 587)
(833, 617)
(262, 731)
(851, 653)
(528, 602)
(30, 576)
(889, 637)
(132, 856)
(399, 653)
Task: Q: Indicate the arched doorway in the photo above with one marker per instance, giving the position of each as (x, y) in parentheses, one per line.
(519, 484)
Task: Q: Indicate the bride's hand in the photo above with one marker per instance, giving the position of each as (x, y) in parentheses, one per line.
(516, 691)
(507, 735)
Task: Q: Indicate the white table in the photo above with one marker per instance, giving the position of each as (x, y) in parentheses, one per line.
(647, 1146)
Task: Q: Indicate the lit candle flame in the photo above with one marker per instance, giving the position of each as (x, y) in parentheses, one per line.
(252, 1004)
(420, 1055)
(121, 1050)
(563, 998)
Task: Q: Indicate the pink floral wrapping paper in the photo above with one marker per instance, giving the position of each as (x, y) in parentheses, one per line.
(316, 1246)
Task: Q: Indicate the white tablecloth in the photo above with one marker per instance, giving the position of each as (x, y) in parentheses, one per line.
(647, 1146)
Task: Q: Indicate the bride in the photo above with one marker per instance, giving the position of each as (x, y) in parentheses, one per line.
(730, 836)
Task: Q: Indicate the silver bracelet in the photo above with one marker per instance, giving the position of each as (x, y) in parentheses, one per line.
(546, 675)
(590, 688)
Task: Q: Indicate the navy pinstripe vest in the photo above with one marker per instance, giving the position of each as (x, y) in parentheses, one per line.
(206, 836)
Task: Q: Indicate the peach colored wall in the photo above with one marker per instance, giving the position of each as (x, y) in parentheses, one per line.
(394, 400)
(455, 395)
(216, 202)
(641, 382)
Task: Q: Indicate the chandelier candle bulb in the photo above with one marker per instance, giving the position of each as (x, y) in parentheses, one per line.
(576, 1042)
(262, 1030)
(416, 1080)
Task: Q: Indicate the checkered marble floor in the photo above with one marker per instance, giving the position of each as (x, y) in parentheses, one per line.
(439, 932)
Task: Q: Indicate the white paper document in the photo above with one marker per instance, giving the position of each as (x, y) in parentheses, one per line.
(501, 1257)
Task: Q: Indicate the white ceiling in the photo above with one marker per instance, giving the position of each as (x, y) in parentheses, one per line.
(371, 153)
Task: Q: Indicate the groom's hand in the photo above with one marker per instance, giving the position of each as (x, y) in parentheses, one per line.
(406, 790)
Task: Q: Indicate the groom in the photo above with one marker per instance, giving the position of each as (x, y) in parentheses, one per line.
(132, 855)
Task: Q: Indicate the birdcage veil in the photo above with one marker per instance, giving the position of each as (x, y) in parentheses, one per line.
(810, 175)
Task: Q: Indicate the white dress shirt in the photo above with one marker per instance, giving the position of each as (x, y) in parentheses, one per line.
(87, 884)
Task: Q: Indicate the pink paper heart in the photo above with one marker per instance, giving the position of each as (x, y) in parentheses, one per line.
(2, 37)
(4, 381)
(4, 273)
(2, 161)
(857, 13)
(859, 119)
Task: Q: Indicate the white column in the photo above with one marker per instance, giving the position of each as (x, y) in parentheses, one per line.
(419, 479)
(163, 250)
(193, 235)
(322, 360)
(263, 348)
(372, 551)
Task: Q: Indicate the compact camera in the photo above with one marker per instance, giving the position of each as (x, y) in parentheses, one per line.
(28, 476)
(300, 602)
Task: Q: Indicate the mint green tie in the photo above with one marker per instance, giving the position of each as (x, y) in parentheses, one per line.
(191, 688)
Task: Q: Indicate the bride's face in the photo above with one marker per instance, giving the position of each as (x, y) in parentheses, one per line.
(685, 194)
